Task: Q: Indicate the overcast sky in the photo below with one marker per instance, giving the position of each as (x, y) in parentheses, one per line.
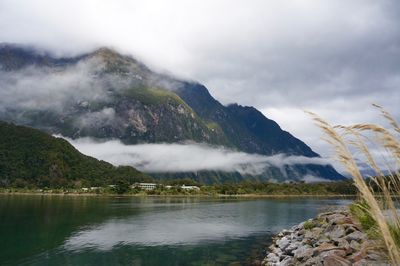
(333, 57)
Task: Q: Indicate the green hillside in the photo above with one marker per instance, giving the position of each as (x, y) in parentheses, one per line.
(29, 157)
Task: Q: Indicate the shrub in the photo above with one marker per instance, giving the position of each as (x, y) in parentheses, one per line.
(308, 225)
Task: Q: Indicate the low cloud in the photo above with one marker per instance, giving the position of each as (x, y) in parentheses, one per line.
(44, 88)
(313, 179)
(186, 157)
(106, 116)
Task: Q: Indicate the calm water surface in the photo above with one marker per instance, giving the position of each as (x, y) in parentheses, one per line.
(56, 230)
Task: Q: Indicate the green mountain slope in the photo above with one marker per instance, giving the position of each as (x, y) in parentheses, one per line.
(29, 156)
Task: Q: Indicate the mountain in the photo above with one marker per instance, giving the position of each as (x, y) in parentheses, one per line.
(31, 157)
(104, 94)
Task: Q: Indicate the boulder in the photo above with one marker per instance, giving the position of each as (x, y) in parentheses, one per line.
(303, 253)
(349, 229)
(362, 262)
(272, 257)
(343, 244)
(324, 247)
(288, 261)
(286, 232)
(342, 220)
(313, 233)
(356, 236)
(337, 232)
(283, 243)
(334, 260)
(361, 254)
(355, 245)
(293, 246)
(314, 261)
(336, 252)
(323, 239)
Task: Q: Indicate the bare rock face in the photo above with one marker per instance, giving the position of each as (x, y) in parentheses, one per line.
(331, 239)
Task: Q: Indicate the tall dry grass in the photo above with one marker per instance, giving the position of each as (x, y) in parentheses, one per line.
(352, 141)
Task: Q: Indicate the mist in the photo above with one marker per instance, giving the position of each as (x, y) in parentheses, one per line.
(186, 157)
(43, 88)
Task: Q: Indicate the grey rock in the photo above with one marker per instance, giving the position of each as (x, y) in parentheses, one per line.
(303, 253)
(271, 257)
(324, 247)
(355, 245)
(283, 243)
(340, 219)
(342, 243)
(288, 261)
(334, 240)
(323, 239)
(336, 252)
(286, 232)
(301, 232)
(275, 250)
(337, 232)
(349, 229)
(293, 246)
(301, 225)
(314, 261)
(356, 236)
(334, 260)
(313, 233)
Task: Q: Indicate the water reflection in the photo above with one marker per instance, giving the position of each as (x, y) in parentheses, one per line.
(143, 231)
(193, 223)
(161, 228)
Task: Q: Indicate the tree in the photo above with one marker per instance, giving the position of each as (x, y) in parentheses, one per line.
(121, 186)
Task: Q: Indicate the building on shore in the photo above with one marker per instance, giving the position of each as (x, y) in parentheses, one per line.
(145, 186)
(190, 187)
(152, 186)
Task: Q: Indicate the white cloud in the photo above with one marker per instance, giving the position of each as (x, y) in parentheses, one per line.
(313, 179)
(106, 116)
(45, 88)
(188, 157)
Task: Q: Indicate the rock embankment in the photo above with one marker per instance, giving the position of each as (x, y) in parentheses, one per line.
(331, 239)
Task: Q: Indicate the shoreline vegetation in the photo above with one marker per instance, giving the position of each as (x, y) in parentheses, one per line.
(375, 211)
(368, 233)
(35, 193)
(192, 188)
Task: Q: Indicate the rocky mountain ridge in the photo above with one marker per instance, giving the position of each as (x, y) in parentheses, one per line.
(105, 95)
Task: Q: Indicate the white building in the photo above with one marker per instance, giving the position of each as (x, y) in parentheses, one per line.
(145, 186)
(190, 187)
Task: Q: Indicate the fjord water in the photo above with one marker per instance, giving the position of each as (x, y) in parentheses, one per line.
(68, 230)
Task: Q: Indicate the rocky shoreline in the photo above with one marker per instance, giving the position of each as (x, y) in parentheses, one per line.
(331, 239)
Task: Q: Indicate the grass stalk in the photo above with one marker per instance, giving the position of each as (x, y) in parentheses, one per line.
(344, 137)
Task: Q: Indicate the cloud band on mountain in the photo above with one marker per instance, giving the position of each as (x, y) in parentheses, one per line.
(186, 157)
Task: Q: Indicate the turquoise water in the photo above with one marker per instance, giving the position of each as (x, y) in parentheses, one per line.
(57, 230)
